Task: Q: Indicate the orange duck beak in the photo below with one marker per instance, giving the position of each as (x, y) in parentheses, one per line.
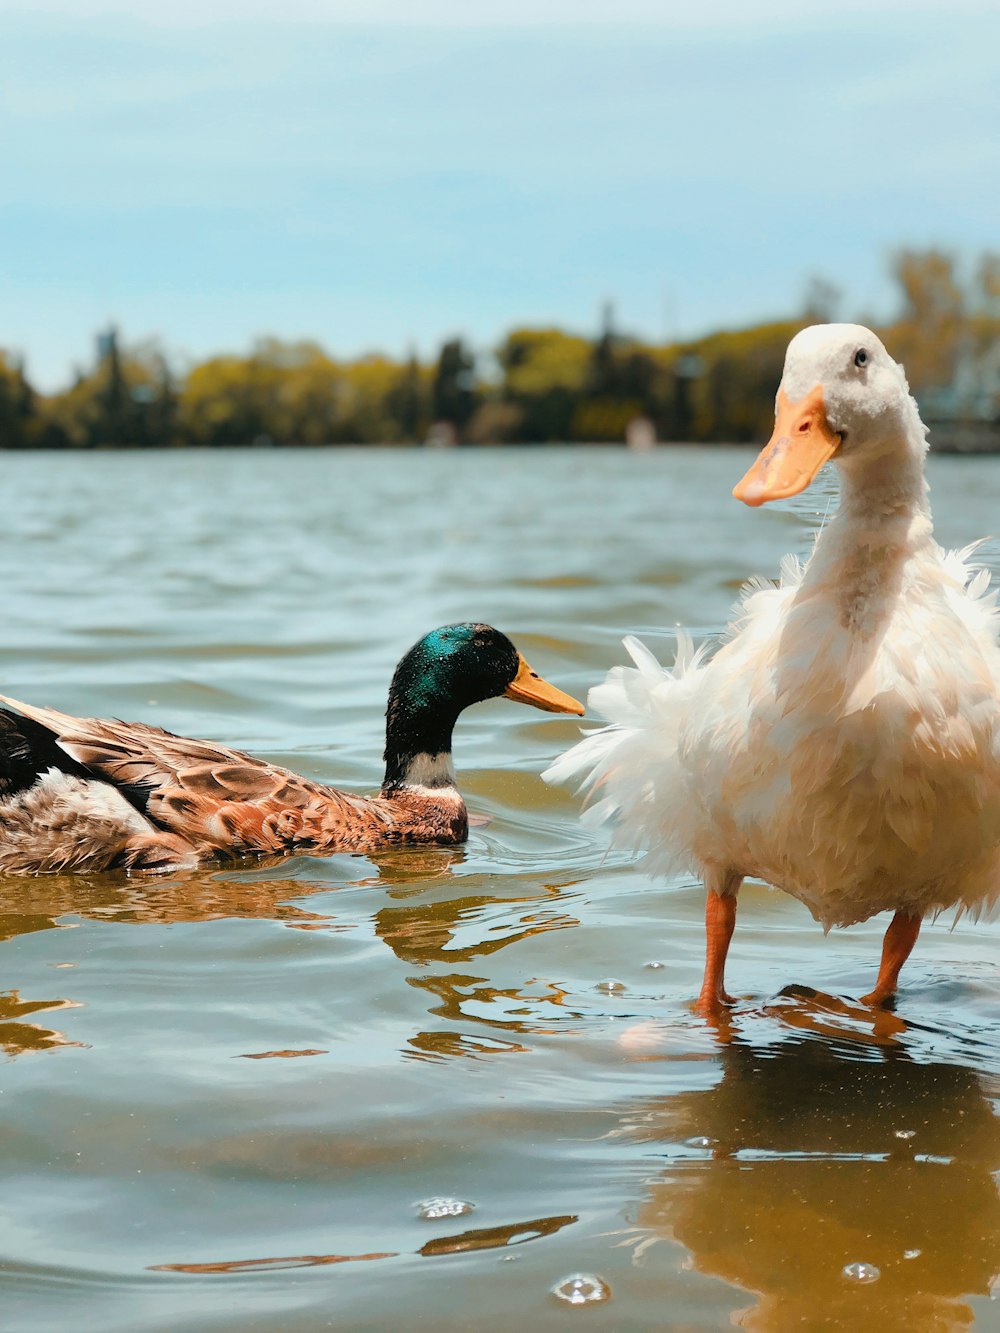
(528, 687)
(802, 442)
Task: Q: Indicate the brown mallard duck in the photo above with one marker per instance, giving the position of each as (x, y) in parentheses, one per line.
(91, 794)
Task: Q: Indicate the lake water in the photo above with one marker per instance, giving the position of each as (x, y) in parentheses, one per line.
(226, 1094)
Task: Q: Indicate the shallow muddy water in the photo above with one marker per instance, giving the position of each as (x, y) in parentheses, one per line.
(230, 1098)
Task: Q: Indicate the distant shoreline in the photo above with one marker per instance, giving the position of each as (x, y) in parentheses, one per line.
(964, 441)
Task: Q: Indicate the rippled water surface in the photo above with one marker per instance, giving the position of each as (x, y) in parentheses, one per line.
(451, 1089)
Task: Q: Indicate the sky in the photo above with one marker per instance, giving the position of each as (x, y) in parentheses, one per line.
(382, 174)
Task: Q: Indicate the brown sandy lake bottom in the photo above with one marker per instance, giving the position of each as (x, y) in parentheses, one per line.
(229, 1100)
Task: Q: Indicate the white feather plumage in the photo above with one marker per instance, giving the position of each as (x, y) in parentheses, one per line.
(843, 743)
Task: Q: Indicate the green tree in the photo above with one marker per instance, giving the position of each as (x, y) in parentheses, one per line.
(408, 403)
(369, 385)
(218, 404)
(927, 335)
(129, 398)
(544, 372)
(732, 395)
(453, 392)
(116, 422)
(18, 418)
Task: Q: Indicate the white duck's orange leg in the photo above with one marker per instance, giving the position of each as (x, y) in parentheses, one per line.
(896, 948)
(720, 921)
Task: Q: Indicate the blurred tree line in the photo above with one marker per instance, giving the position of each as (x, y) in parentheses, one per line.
(540, 384)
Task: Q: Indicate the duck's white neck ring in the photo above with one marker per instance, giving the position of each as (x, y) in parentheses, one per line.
(427, 772)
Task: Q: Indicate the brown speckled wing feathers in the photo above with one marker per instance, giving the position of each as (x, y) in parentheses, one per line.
(213, 796)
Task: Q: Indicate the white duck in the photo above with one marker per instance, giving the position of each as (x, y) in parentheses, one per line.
(844, 743)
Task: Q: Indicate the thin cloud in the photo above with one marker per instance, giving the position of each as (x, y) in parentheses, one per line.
(679, 16)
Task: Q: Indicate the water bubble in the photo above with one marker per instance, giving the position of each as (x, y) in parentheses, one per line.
(611, 986)
(700, 1141)
(654, 967)
(431, 1209)
(905, 1133)
(862, 1272)
(912, 1254)
(582, 1289)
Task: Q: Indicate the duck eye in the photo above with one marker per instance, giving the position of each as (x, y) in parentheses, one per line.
(861, 357)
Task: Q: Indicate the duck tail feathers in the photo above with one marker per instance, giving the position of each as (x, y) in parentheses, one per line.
(28, 750)
(628, 769)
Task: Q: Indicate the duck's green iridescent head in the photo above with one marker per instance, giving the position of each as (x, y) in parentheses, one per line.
(449, 669)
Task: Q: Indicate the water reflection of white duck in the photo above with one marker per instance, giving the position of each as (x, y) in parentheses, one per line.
(815, 1152)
